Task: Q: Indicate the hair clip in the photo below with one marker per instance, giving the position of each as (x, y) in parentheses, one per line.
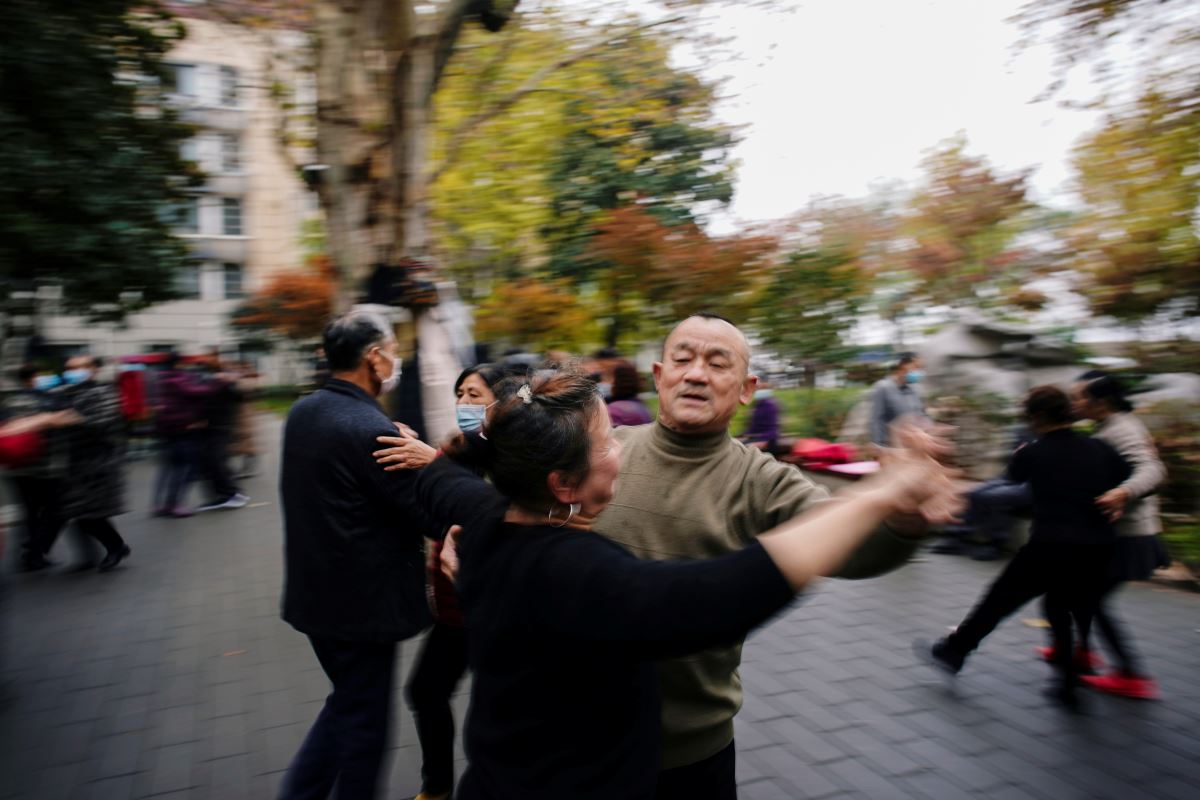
(526, 394)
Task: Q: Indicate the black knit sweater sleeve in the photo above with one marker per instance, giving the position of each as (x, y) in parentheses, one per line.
(586, 586)
(451, 494)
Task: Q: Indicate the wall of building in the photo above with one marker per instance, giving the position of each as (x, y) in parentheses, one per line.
(246, 222)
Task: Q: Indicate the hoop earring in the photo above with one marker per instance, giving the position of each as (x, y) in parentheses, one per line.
(572, 509)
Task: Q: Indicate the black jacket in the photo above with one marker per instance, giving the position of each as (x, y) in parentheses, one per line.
(353, 536)
(1066, 473)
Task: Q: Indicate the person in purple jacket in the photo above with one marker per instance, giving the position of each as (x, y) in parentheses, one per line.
(763, 431)
(624, 406)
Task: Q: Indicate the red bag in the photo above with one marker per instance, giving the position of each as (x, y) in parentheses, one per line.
(818, 452)
(20, 449)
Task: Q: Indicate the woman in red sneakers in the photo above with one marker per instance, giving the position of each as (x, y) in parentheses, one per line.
(1099, 396)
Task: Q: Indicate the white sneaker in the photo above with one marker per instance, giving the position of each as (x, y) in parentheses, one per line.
(237, 501)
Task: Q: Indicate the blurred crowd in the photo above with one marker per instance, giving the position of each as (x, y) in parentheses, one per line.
(65, 436)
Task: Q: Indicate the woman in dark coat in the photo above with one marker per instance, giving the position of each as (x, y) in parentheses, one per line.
(95, 484)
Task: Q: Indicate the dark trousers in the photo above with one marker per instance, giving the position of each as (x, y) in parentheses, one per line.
(714, 778)
(347, 742)
(102, 531)
(1111, 630)
(40, 498)
(176, 465)
(439, 668)
(1070, 575)
(214, 463)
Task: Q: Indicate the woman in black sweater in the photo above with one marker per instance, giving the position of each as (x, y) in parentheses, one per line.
(563, 625)
(1070, 541)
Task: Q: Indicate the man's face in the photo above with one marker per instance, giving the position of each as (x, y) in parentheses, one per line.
(381, 360)
(703, 376)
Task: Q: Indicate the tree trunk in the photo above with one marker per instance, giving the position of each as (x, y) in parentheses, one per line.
(355, 47)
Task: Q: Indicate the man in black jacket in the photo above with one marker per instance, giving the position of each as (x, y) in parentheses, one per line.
(353, 547)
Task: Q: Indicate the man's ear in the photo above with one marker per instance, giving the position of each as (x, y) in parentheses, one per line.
(562, 487)
(748, 386)
(656, 370)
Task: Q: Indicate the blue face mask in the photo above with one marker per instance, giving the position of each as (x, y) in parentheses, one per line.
(44, 383)
(74, 376)
(470, 417)
(914, 376)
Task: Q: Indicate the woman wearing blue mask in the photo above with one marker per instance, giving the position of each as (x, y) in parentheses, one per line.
(443, 657)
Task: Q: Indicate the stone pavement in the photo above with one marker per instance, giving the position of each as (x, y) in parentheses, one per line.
(173, 677)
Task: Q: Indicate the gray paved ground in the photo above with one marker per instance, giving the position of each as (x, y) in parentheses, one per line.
(173, 677)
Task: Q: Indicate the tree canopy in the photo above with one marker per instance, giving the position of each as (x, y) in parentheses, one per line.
(90, 160)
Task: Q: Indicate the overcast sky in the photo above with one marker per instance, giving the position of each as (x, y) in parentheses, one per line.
(837, 94)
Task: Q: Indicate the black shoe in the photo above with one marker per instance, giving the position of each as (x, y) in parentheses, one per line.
(939, 655)
(949, 547)
(112, 559)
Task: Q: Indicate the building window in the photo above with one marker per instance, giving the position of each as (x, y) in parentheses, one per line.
(231, 219)
(184, 77)
(229, 88)
(187, 282)
(185, 216)
(233, 281)
(231, 160)
(190, 149)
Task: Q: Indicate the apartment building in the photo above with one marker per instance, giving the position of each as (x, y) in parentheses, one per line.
(245, 222)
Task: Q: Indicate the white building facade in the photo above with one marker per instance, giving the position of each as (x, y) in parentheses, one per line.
(244, 224)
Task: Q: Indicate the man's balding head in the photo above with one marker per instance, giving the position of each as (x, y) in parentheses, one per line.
(704, 375)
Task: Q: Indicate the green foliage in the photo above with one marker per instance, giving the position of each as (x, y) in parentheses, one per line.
(812, 300)
(1137, 241)
(90, 157)
(960, 226)
(523, 192)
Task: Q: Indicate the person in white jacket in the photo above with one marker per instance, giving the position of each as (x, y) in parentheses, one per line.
(1099, 396)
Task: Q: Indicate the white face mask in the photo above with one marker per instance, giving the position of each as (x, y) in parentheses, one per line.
(390, 383)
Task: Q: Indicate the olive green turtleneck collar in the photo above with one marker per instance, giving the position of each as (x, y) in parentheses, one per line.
(687, 445)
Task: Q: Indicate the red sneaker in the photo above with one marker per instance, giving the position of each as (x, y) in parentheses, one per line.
(1138, 687)
(1085, 660)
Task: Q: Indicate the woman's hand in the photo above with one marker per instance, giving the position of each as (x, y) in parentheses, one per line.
(1112, 503)
(406, 451)
(450, 553)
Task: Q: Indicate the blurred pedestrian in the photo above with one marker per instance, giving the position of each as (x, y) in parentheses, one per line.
(95, 482)
(245, 440)
(178, 407)
(689, 490)
(443, 657)
(624, 405)
(895, 396)
(38, 477)
(354, 579)
(992, 509)
(221, 405)
(764, 427)
(564, 625)
(1100, 397)
(1070, 543)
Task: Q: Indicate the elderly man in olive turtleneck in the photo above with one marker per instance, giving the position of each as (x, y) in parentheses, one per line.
(687, 489)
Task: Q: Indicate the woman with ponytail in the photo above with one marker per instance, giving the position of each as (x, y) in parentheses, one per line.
(1133, 507)
(563, 625)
